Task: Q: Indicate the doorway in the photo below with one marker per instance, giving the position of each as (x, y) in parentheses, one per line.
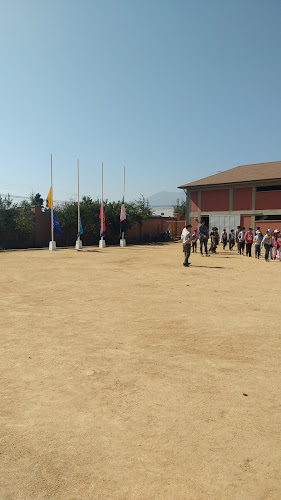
(206, 219)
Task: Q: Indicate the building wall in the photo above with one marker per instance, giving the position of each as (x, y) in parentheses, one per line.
(215, 200)
(42, 224)
(268, 200)
(264, 225)
(153, 227)
(242, 199)
(194, 201)
(194, 223)
(246, 221)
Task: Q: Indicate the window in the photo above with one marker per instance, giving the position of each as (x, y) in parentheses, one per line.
(268, 188)
(267, 217)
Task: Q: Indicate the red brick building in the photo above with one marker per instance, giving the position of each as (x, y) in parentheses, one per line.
(248, 195)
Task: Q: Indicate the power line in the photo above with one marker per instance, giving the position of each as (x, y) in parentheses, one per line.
(12, 196)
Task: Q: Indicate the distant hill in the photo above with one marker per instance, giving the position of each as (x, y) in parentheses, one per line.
(166, 199)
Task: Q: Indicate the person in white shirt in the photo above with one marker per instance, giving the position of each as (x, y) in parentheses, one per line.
(186, 238)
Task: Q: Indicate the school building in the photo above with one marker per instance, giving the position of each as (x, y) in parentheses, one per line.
(248, 195)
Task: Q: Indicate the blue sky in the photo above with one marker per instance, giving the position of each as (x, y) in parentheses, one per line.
(174, 90)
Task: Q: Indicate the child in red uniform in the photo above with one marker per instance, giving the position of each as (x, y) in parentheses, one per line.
(249, 238)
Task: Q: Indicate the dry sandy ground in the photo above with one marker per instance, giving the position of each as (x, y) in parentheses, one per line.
(123, 373)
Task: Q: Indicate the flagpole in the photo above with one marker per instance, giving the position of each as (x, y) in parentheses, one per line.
(52, 202)
(102, 241)
(52, 244)
(123, 234)
(102, 200)
(78, 245)
(122, 240)
(124, 184)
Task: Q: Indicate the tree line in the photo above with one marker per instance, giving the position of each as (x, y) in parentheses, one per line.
(17, 219)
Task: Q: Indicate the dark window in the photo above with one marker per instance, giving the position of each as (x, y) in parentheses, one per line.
(267, 217)
(268, 188)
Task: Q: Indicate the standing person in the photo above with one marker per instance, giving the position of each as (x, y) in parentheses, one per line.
(213, 245)
(278, 238)
(271, 246)
(224, 239)
(237, 237)
(266, 241)
(257, 242)
(217, 238)
(186, 237)
(203, 238)
(231, 239)
(241, 241)
(276, 244)
(249, 238)
(194, 241)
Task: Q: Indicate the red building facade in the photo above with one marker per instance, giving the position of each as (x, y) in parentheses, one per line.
(248, 195)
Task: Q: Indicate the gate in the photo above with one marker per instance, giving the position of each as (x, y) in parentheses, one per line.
(227, 222)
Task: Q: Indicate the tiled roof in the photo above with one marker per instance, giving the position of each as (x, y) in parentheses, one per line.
(243, 173)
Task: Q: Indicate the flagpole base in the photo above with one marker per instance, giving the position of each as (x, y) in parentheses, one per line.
(78, 245)
(52, 246)
(122, 242)
(102, 244)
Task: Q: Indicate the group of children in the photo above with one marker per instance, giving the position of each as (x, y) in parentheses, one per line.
(271, 241)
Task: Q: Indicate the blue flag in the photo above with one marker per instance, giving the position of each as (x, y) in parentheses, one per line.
(80, 227)
(57, 228)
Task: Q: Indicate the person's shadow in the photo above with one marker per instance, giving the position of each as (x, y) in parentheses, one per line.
(210, 267)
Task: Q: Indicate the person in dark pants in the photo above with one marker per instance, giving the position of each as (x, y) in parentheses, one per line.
(194, 241)
(213, 236)
(266, 241)
(231, 239)
(249, 238)
(237, 237)
(224, 239)
(203, 238)
(186, 237)
(241, 241)
(257, 242)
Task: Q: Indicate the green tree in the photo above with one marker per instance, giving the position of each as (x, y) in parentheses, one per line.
(36, 199)
(180, 209)
(141, 211)
(90, 210)
(24, 221)
(7, 217)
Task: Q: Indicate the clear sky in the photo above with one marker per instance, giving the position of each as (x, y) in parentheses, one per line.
(175, 90)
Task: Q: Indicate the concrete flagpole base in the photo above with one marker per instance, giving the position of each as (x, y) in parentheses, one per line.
(52, 246)
(122, 242)
(102, 244)
(78, 245)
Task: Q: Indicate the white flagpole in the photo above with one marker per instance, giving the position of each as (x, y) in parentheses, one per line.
(52, 244)
(102, 200)
(123, 235)
(78, 198)
(123, 241)
(102, 241)
(52, 201)
(78, 245)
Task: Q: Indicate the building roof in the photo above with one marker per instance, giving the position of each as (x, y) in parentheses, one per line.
(243, 173)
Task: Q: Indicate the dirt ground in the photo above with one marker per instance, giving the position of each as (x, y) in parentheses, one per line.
(125, 376)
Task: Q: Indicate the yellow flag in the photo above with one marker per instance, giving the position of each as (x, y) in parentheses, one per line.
(49, 199)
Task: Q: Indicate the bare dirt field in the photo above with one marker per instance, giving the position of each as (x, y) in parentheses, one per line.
(123, 373)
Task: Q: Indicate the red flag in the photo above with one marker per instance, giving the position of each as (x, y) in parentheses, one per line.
(102, 220)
